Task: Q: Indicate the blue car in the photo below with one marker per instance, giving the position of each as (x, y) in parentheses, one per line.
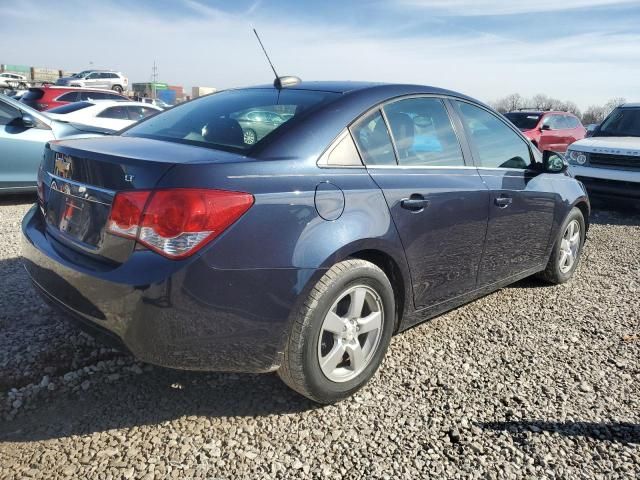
(302, 252)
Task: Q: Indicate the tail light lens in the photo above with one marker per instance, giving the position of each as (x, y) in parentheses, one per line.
(176, 223)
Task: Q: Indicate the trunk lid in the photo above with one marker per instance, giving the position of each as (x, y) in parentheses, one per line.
(80, 178)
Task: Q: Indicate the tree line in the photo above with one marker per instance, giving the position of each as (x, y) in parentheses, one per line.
(593, 113)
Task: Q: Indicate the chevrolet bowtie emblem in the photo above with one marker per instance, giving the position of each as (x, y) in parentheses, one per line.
(63, 163)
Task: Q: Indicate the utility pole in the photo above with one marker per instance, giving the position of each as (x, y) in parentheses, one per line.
(154, 79)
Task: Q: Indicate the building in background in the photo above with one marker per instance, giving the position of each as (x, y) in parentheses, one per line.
(200, 91)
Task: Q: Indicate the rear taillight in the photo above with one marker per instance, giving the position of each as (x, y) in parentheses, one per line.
(178, 222)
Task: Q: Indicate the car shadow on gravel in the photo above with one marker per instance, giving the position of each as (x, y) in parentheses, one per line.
(151, 398)
(605, 211)
(612, 432)
(17, 199)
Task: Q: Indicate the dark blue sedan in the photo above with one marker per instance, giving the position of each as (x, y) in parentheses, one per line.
(368, 209)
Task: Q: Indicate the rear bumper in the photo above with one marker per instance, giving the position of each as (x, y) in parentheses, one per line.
(183, 314)
(608, 181)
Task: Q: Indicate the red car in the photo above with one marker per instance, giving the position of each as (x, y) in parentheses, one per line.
(45, 98)
(553, 131)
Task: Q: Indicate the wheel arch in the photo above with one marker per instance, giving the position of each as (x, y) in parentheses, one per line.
(585, 208)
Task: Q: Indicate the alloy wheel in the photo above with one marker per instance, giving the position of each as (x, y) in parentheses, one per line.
(350, 333)
(569, 246)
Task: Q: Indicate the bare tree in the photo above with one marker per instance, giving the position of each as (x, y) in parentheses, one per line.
(509, 103)
(597, 113)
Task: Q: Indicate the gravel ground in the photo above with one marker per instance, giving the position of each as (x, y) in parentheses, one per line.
(530, 382)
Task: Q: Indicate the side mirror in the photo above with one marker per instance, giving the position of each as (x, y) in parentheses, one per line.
(545, 127)
(553, 162)
(28, 121)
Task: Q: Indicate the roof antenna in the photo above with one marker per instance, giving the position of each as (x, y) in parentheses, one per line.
(279, 82)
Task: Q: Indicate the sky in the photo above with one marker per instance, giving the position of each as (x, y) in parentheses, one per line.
(586, 51)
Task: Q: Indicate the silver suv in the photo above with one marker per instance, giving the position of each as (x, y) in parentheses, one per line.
(106, 79)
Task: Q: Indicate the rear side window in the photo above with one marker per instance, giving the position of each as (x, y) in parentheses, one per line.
(138, 113)
(523, 120)
(93, 96)
(423, 133)
(224, 121)
(70, 97)
(33, 94)
(572, 122)
(117, 113)
(495, 144)
(70, 107)
(373, 140)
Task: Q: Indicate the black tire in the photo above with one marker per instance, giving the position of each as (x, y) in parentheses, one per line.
(117, 88)
(300, 368)
(553, 272)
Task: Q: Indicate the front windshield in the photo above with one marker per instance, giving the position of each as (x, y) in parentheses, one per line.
(523, 120)
(80, 75)
(232, 120)
(622, 122)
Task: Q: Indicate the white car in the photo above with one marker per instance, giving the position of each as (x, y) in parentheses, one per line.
(608, 162)
(13, 81)
(106, 79)
(110, 114)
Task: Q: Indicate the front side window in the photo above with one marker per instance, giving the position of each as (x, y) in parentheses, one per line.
(622, 122)
(70, 97)
(8, 114)
(373, 140)
(495, 144)
(222, 121)
(423, 133)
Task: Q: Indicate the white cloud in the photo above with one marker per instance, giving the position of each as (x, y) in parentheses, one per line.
(507, 7)
(215, 48)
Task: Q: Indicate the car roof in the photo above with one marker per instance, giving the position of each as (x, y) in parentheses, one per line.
(540, 112)
(119, 103)
(350, 102)
(351, 86)
(631, 105)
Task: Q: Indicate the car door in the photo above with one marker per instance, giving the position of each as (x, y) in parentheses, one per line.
(92, 80)
(21, 148)
(522, 198)
(550, 133)
(438, 202)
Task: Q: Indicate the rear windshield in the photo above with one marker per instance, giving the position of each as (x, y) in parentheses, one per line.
(70, 107)
(232, 120)
(523, 120)
(623, 122)
(33, 94)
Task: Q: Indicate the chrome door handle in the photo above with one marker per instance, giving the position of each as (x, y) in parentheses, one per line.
(503, 202)
(415, 203)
